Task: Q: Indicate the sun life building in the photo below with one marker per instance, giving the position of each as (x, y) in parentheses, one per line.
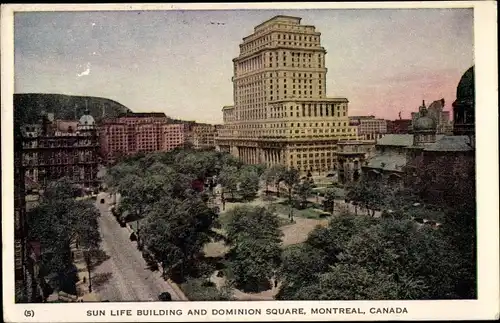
(281, 114)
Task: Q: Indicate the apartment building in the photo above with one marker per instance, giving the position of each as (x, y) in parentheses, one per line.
(174, 135)
(131, 134)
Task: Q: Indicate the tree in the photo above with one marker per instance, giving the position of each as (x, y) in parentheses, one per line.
(230, 161)
(258, 168)
(411, 254)
(348, 282)
(249, 183)
(268, 177)
(300, 266)
(277, 173)
(58, 221)
(329, 202)
(333, 239)
(304, 190)
(199, 290)
(254, 237)
(368, 194)
(229, 178)
(291, 177)
(175, 232)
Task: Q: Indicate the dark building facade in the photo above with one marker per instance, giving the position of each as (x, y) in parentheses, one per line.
(398, 126)
(464, 105)
(50, 154)
(27, 289)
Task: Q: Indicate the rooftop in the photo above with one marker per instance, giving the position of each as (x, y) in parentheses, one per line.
(443, 142)
(387, 162)
(311, 100)
(450, 143)
(291, 19)
(145, 115)
(402, 140)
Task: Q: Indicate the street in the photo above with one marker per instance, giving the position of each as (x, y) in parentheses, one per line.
(125, 275)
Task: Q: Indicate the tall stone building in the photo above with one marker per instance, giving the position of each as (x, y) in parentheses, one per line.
(281, 114)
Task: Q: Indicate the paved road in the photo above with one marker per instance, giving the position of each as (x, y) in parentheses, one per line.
(124, 276)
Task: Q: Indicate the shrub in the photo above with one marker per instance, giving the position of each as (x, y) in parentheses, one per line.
(200, 289)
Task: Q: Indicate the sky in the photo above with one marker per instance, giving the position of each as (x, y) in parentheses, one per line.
(384, 61)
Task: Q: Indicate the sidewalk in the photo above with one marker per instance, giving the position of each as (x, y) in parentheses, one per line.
(83, 284)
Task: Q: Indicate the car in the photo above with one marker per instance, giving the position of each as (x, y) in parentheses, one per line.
(102, 201)
(165, 297)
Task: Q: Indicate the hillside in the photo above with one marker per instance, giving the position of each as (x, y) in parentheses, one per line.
(28, 106)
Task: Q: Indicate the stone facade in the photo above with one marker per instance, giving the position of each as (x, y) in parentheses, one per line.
(349, 158)
(369, 127)
(281, 114)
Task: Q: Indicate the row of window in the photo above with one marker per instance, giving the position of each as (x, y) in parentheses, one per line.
(261, 42)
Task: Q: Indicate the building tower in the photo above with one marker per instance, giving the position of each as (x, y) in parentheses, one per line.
(88, 137)
(425, 128)
(280, 107)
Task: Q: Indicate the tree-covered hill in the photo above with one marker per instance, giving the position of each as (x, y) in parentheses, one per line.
(28, 106)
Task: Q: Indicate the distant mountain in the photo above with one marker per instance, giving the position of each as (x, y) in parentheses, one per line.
(29, 106)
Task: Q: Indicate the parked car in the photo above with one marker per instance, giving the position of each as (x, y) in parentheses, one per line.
(102, 201)
(165, 297)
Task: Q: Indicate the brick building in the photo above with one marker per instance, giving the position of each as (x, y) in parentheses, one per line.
(131, 134)
(149, 132)
(174, 135)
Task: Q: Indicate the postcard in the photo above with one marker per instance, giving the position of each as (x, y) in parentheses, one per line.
(250, 162)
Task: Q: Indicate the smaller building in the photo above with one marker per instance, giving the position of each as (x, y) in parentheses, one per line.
(369, 127)
(399, 126)
(130, 134)
(203, 136)
(349, 158)
(390, 157)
